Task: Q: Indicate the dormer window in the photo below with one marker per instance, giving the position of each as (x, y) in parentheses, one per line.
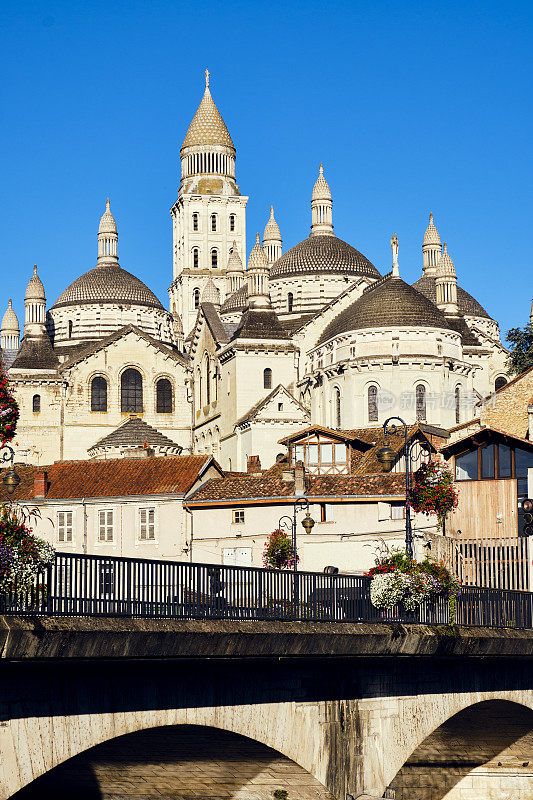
(321, 455)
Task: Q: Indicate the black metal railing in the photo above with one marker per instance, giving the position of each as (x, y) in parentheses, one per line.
(81, 585)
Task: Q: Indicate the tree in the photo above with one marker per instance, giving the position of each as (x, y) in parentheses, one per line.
(521, 355)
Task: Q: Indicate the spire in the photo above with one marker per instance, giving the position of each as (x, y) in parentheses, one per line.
(210, 293)
(10, 330)
(207, 126)
(258, 296)
(394, 248)
(272, 242)
(234, 270)
(321, 207)
(107, 239)
(430, 248)
(34, 306)
(446, 284)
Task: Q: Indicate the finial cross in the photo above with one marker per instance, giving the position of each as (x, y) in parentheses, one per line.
(207, 79)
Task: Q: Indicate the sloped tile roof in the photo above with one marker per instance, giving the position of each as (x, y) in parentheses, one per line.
(255, 324)
(36, 354)
(113, 478)
(255, 409)
(134, 432)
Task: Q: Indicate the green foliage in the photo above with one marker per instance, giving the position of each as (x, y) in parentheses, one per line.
(278, 552)
(521, 355)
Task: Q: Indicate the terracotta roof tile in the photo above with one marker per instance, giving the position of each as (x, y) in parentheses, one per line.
(112, 478)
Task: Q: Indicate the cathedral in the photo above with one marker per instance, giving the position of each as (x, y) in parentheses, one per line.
(250, 350)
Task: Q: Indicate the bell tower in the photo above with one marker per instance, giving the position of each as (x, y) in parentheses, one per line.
(209, 214)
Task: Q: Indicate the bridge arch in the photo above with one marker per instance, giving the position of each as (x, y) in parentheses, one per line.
(183, 761)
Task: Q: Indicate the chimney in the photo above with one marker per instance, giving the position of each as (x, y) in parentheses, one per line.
(530, 420)
(40, 484)
(253, 466)
(299, 479)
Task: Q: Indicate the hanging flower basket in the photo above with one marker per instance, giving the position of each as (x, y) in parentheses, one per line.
(9, 411)
(279, 552)
(433, 491)
(23, 556)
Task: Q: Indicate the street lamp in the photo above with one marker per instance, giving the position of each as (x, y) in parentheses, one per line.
(289, 523)
(386, 456)
(10, 480)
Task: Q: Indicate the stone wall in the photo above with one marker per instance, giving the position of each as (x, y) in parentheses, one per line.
(507, 408)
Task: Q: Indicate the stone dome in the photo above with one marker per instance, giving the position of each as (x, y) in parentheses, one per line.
(35, 288)
(107, 284)
(468, 305)
(272, 230)
(445, 266)
(257, 258)
(234, 260)
(210, 293)
(389, 302)
(237, 301)
(323, 254)
(431, 236)
(10, 323)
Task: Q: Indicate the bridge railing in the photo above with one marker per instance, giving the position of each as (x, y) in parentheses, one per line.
(87, 585)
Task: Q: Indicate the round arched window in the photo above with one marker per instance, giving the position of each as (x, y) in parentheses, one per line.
(131, 391)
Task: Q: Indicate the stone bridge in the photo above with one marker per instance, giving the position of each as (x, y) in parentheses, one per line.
(356, 710)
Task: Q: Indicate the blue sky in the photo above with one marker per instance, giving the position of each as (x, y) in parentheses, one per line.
(412, 107)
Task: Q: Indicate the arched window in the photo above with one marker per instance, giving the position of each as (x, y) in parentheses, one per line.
(70, 326)
(196, 298)
(213, 222)
(195, 221)
(337, 406)
(195, 257)
(206, 383)
(131, 391)
(163, 393)
(290, 301)
(98, 394)
(373, 404)
(214, 258)
(267, 378)
(232, 222)
(499, 383)
(36, 403)
(457, 405)
(420, 393)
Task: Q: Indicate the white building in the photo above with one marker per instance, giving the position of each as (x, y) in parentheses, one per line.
(245, 355)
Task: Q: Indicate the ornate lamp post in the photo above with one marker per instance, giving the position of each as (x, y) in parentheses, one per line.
(386, 458)
(289, 523)
(10, 480)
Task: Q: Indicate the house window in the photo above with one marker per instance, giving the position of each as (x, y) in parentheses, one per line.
(196, 298)
(64, 526)
(98, 394)
(237, 516)
(327, 512)
(163, 391)
(457, 405)
(372, 403)
(232, 222)
(146, 524)
(105, 526)
(420, 393)
(290, 301)
(504, 461)
(267, 378)
(237, 556)
(487, 461)
(337, 409)
(523, 460)
(36, 403)
(213, 223)
(106, 580)
(70, 326)
(499, 383)
(214, 258)
(195, 257)
(195, 221)
(466, 466)
(131, 391)
(397, 510)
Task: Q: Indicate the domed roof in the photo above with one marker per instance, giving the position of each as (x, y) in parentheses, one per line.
(10, 323)
(234, 260)
(389, 302)
(35, 288)
(237, 301)
(107, 221)
(257, 258)
(210, 293)
(107, 284)
(468, 305)
(321, 190)
(207, 126)
(272, 230)
(323, 254)
(431, 235)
